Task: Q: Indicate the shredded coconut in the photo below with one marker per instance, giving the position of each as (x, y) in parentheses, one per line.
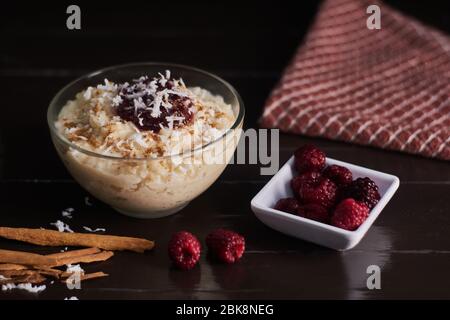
(117, 100)
(88, 93)
(24, 286)
(61, 226)
(71, 298)
(94, 230)
(94, 125)
(67, 213)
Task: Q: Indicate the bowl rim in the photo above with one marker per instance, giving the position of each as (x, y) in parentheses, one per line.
(239, 119)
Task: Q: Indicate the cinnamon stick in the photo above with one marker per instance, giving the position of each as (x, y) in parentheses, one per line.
(15, 273)
(47, 237)
(33, 277)
(55, 273)
(73, 253)
(11, 266)
(26, 258)
(102, 256)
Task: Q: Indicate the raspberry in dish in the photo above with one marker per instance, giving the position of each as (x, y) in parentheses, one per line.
(309, 158)
(321, 191)
(184, 250)
(289, 205)
(364, 190)
(338, 174)
(349, 214)
(225, 245)
(314, 211)
(310, 177)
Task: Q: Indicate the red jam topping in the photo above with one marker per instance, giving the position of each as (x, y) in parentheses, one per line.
(152, 104)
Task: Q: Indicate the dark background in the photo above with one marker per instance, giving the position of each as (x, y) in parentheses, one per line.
(248, 44)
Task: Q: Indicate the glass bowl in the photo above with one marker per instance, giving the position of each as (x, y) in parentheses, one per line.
(148, 187)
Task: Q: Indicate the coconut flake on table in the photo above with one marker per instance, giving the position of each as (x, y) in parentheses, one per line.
(94, 230)
(87, 201)
(24, 286)
(71, 298)
(67, 213)
(61, 226)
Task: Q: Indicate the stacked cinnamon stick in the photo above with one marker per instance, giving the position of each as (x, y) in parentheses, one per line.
(26, 267)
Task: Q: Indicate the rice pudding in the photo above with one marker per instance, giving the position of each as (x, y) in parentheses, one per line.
(148, 146)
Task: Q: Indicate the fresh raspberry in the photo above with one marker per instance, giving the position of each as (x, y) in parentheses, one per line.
(320, 191)
(289, 205)
(338, 174)
(184, 250)
(226, 245)
(363, 190)
(296, 182)
(306, 177)
(314, 211)
(349, 214)
(309, 158)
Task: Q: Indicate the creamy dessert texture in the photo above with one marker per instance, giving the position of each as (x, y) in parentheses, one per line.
(151, 125)
(147, 118)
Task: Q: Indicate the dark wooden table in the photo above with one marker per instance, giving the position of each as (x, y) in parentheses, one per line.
(410, 241)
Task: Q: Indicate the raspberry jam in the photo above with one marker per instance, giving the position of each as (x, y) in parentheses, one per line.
(152, 104)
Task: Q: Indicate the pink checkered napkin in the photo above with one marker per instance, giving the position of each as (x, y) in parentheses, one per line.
(387, 88)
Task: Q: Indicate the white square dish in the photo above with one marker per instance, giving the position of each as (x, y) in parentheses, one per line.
(320, 233)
